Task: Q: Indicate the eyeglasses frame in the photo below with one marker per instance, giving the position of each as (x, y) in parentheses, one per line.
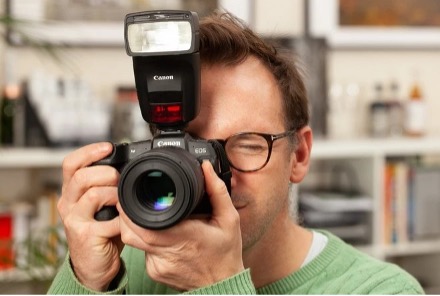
(270, 138)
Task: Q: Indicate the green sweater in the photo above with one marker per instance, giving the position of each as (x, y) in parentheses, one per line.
(338, 269)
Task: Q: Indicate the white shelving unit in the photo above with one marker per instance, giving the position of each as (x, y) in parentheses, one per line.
(368, 158)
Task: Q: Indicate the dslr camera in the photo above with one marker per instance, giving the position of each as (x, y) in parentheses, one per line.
(161, 179)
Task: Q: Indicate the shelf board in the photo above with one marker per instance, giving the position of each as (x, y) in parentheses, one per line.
(32, 157)
(321, 149)
(369, 147)
(413, 248)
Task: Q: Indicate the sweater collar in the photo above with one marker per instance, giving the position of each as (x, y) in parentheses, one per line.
(308, 272)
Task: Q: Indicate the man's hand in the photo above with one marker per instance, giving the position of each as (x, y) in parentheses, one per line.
(94, 246)
(195, 253)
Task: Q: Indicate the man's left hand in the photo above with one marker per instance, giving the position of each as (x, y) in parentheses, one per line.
(196, 252)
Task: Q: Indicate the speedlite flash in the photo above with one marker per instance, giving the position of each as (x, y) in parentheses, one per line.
(166, 62)
(158, 32)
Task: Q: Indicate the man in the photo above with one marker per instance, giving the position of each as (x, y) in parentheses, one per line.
(252, 95)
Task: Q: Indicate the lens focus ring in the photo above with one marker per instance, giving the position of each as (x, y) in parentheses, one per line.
(161, 187)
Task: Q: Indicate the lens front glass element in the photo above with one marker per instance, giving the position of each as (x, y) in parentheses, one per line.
(156, 37)
(156, 190)
(161, 187)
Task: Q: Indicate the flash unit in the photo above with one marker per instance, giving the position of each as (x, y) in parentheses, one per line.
(166, 62)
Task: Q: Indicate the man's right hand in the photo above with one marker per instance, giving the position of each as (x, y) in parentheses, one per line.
(94, 246)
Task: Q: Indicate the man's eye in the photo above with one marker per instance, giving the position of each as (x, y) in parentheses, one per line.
(248, 148)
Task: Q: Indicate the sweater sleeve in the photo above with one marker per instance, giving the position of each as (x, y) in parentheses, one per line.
(65, 282)
(239, 284)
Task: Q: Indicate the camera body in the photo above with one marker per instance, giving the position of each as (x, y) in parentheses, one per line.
(161, 179)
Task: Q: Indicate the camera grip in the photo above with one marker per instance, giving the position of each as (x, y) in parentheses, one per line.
(106, 213)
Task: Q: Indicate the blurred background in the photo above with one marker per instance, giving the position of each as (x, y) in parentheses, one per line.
(371, 70)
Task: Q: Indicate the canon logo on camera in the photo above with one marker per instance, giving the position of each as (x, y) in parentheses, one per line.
(165, 77)
(168, 143)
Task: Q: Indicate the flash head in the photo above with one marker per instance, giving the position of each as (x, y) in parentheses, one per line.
(161, 32)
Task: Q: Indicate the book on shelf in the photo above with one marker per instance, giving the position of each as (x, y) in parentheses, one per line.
(6, 254)
(410, 201)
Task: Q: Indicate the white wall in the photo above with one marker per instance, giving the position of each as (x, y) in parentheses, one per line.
(369, 67)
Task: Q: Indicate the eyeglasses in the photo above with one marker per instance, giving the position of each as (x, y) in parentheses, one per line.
(250, 152)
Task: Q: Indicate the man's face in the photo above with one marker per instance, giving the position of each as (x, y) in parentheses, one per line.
(245, 98)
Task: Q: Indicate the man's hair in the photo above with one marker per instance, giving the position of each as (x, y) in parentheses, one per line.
(224, 39)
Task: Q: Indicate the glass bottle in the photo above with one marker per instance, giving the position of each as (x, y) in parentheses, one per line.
(10, 96)
(395, 111)
(379, 120)
(415, 112)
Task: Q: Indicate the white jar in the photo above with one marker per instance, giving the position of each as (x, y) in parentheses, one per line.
(415, 117)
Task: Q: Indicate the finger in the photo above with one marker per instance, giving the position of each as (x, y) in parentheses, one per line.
(84, 157)
(218, 194)
(132, 234)
(147, 239)
(86, 178)
(108, 229)
(95, 198)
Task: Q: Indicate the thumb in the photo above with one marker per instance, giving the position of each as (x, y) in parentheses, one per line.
(217, 191)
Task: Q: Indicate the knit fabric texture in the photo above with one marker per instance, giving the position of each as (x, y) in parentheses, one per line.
(338, 269)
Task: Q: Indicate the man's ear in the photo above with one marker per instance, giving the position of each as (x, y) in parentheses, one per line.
(301, 159)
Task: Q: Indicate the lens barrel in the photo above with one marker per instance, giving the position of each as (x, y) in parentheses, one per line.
(161, 187)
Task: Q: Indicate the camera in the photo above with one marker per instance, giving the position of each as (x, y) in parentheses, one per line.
(161, 179)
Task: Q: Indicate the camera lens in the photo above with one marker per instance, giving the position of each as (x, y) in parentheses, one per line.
(161, 187)
(156, 190)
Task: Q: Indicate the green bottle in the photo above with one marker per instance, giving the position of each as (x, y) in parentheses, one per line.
(11, 94)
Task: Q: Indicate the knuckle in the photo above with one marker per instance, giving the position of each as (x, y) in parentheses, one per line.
(60, 206)
(80, 178)
(114, 177)
(155, 270)
(127, 238)
(79, 232)
(153, 274)
(234, 218)
(68, 164)
(92, 195)
(69, 223)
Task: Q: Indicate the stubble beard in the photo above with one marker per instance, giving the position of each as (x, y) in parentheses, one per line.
(258, 221)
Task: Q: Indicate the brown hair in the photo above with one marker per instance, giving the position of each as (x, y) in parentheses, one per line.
(224, 39)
